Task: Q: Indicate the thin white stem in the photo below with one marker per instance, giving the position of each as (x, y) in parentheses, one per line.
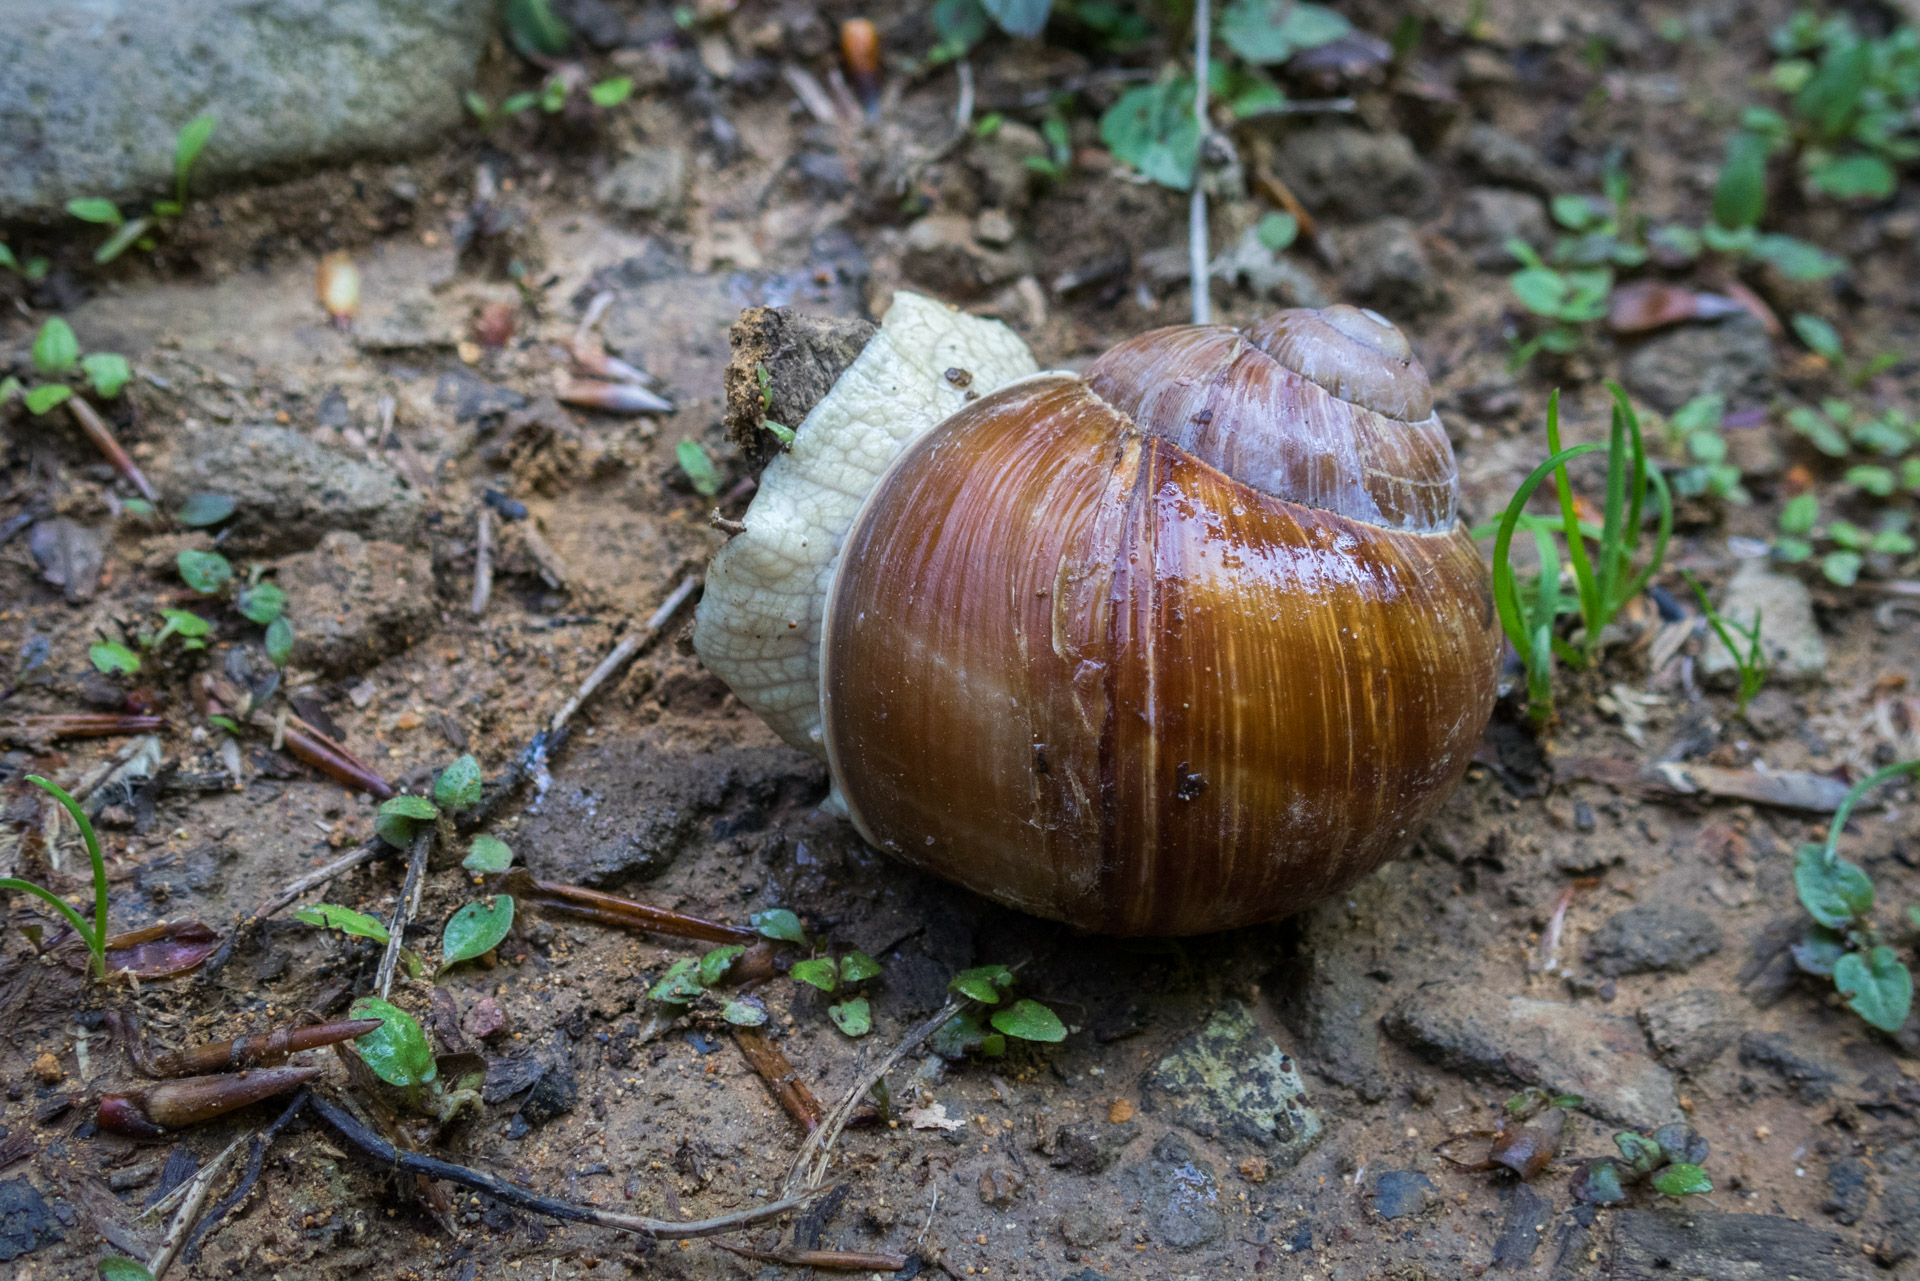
(1197, 210)
(963, 109)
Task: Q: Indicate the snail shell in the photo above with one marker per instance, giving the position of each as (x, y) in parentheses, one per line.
(1185, 643)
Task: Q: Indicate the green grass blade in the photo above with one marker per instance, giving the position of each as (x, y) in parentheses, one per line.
(1638, 493)
(1661, 536)
(1506, 595)
(1583, 576)
(99, 868)
(1613, 548)
(73, 918)
(1858, 794)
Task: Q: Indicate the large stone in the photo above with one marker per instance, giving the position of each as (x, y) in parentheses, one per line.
(1565, 1049)
(1265, 274)
(1343, 172)
(1689, 1029)
(1387, 269)
(1731, 358)
(1487, 218)
(288, 492)
(1662, 935)
(26, 1223)
(1504, 160)
(1401, 1194)
(1178, 1194)
(1232, 1083)
(650, 181)
(1899, 1203)
(1332, 1007)
(95, 92)
(1702, 1245)
(1789, 636)
(942, 253)
(353, 602)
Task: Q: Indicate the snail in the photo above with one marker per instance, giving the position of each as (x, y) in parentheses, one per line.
(1182, 643)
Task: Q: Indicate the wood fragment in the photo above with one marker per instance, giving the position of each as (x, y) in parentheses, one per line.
(482, 561)
(309, 746)
(392, 1158)
(553, 570)
(403, 910)
(782, 1078)
(611, 909)
(28, 729)
(102, 437)
(262, 1049)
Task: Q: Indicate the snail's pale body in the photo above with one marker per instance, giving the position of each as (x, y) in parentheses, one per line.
(1185, 643)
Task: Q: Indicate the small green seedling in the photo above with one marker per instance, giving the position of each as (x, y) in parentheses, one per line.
(57, 357)
(1670, 1160)
(31, 269)
(1025, 1020)
(1800, 532)
(551, 98)
(476, 929)
(1823, 340)
(94, 936)
(1058, 161)
(116, 1268)
(211, 574)
(1152, 129)
(1843, 943)
(1566, 299)
(127, 233)
(1605, 581)
(1694, 430)
(780, 431)
(698, 467)
(1752, 663)
(488, 854)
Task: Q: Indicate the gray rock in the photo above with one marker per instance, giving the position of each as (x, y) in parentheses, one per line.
(1731, 358)
(942, 254)
(650, 181)
(1899, 1204)
(1400, 1194)
(1774, 713)
(70, 556)
(94, 93)
(1387, 269)
(1266, 274)
(1806, 1075)
(1179, 1195)
(1525, 1226)
(1662, 935)
(1789, 636)
(1701, 1245)
(26, 1223)
(1504, 160)
(1006, 180)
(1086, 1225)
(288, 492)
(1566, 1049)
(627, 807)
(1344, 172)
(1231, 1082)
(1689, 1029)
(1848, 1192)
(1487, 218)
(352, 602)
(1333, 1007)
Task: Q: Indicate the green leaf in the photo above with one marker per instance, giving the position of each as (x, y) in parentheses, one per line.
(182, 622)
(1841, 568)
(1836, 894)
(819, 972)
(39, 400)
(1152, 128)
(1022, 18)
(698, 467)
(1829, 100)
(476, 929)
(226, 723)
(778, 923)
(205, 572)
(1541, 290)
(96, 210)
(107, 371)
(1681, 1180)
(533, 28)
(982, 983)
(1270, 31)
(397, 1050)
(1800, 514)
(55, 349)
(394, 820)
(1598, 1183)
(279, 641)
(1856, 176)
(1877, 986)
(858, 967)
(742, 1012)
(680, 984)
(515, 103)
(187, 146)
(477, 106)
(118, 1269)
(1796, 259)
(853, 1016)
(1819, 336)
(458, 787)
(1878, 481)
(1030, 1021)
(331, 916)
(960, 24)
(1642, 1153)
(715, 964)
(261, 603)
(1741, 196)
(553, 95)
(611, 93)
(959, 1034)
(1575, 213)
(1277, 230)
(112, 656)
(488, 854)
(122, 239)
(201, 510)
(1849, 535)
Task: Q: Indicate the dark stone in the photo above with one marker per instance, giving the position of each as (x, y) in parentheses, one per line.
(1344, 172)
(1231, 1082)
(1848, 1194)
(1399, 1194)
(1487, 218)
(1332, 1006)
(1689, 1029)
(1528, 1214)
(1812, 1080)
(1899, 1204)
(554, 1095)
(26, 1223)
(1654, 936)
(474, 399)
(507, 1077)
(1091, 1147)
(1504, 160)
(1179, 1194)
(1387, 268)
(1663, 1245)
(70, 556)
(1732, 358)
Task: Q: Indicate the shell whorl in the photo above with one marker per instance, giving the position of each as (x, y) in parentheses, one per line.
(1355, 353)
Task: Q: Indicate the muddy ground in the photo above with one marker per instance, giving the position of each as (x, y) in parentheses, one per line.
(1411, 1008)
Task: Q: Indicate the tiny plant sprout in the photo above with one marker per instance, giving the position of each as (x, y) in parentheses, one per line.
(94, 936)
(1750, 662)
(476, 929)
(698, 466)
(458, 786)
(488, 854)
(397, 1050)
(394, 820)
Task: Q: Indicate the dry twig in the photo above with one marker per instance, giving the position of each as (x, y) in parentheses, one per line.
(623, 652)
(102, 437)
(403, 910)
(781, 1077)
(482, 561)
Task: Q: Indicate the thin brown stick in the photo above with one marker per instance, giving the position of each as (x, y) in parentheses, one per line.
(809, 1169)
(79, 725)
(832, 1260)
(403, 910)
(513, 1194)
(782, 1078)
(624, 651)
(262, 1049)
(191, 1200)
(611, 909)
(553, 570)
(262, 1139)
(482, 561)
(102, 438)
(329, 757)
